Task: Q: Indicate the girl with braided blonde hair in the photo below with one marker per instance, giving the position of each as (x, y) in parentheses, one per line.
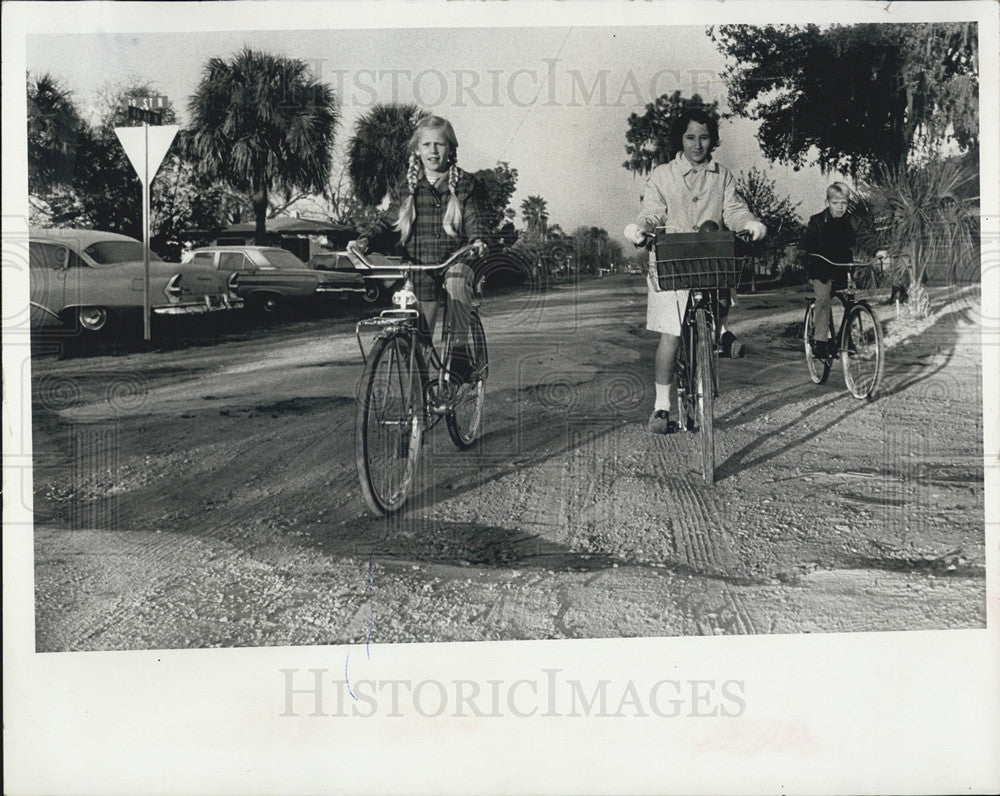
(437, 215)
(445, 160)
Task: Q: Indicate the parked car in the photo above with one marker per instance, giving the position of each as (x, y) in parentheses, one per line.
(87, 279)
(268, 277)
(380, 281)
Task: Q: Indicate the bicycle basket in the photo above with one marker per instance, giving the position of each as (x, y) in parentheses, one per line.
(697, 260)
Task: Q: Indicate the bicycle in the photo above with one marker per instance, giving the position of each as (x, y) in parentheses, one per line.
(703, 263)
(407, 387)
(858, 340)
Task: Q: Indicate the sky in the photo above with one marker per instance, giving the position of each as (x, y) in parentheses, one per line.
(553, 102)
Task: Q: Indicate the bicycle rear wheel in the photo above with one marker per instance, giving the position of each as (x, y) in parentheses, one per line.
(862, 352)
(705, 387)
(819, 369)
(388, 424)
(466, 418)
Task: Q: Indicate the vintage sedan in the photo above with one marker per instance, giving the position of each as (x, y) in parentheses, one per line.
(87, 279)
(380, 280)
(268, 277)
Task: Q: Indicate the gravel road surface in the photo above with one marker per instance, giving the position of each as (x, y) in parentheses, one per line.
(203, 493)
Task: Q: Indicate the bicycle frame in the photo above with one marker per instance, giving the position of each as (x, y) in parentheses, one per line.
(406, 321)
(709, 301)
(867, 348)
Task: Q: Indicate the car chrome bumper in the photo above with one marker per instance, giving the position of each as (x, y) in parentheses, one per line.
(209, 304)
(338, 289)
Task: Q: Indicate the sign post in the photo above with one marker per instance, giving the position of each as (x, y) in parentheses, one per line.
(146, 147)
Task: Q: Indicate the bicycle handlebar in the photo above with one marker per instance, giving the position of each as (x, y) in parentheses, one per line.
(843, 265)
(458, 254)
(649, 238)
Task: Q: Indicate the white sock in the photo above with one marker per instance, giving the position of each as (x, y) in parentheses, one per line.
(663, 400)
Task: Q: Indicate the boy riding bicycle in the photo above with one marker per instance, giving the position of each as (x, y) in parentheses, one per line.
(832, 234)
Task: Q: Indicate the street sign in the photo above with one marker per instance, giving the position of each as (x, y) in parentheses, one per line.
(154, 103)
(142, 115)
(148, 110)
(145, 147)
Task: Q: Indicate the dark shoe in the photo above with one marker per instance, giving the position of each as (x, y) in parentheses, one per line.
(732, 347)
(660, 422)
(821, 349)
(462, 363)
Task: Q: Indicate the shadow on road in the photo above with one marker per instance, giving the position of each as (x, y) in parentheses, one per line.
(917, 360)
(407, 538)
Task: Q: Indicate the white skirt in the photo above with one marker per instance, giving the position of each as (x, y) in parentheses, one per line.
(665, 309)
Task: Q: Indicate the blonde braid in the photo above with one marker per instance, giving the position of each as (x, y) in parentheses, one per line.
(452, 221)
(414, 172)
(407, 209)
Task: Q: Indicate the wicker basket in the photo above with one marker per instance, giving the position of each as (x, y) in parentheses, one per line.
(697, 260)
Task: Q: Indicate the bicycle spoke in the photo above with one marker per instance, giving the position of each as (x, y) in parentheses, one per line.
(706, 394)
(389, 426)
(862, 352)
(465, 416)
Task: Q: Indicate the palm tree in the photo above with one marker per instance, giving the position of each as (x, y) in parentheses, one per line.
(376, 154)
(592, 248)
(54, 126)
(262, 123)
(924, 216)
(535, 213)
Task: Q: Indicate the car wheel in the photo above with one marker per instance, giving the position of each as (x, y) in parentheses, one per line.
(373, 292)
(268, 304)
(90, 319)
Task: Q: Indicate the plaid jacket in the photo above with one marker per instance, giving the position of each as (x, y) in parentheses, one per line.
(428, 242)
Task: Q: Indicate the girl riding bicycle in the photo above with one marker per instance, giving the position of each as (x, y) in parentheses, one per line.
(438, 215)
(684, 194)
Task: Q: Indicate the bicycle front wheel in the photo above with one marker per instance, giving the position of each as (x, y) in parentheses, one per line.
(819, 369)
(862, 352)
(465, 420)
(705, 387)
(389, 424)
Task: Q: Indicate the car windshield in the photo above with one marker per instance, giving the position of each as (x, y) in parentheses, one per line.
(283, 259)
(109, 252)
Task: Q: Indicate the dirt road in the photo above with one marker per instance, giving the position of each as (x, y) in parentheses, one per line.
(205, 495)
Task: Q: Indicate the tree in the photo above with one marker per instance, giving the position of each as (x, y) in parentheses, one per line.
(648, 136)
(924, 217)
(595, 250)
(107, 187)
(187, 206)
(493, 189)
(534, 211)
(54, 127)
(854, 97)
(778, 214)
(376, 154)
(263, 125)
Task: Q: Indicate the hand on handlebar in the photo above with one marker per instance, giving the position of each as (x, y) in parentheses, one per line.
(756, 230)
(639, 236)
(478, 247)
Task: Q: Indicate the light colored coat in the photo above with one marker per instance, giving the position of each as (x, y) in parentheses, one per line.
(682, 197)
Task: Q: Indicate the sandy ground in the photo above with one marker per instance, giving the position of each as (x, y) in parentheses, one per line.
(204, 493)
